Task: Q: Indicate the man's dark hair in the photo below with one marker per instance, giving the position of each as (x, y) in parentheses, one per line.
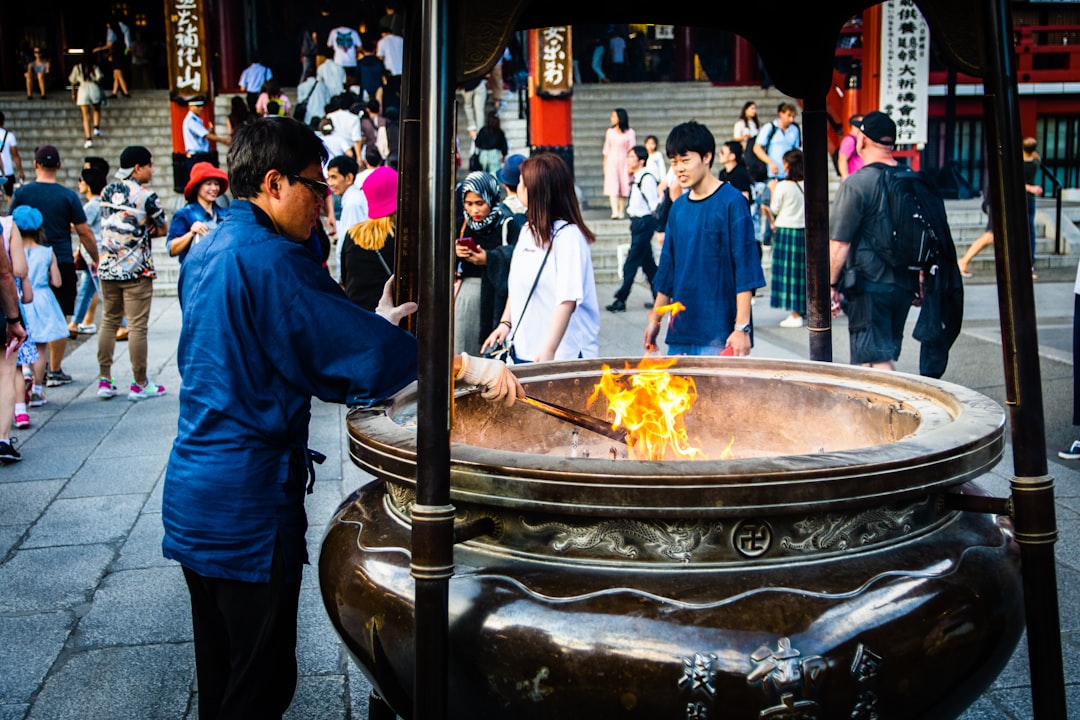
(641, 152)
(735, 148)
(372, 156)
(688, 137)
(94, 179)
(270, 143)
(373, 106)
(98, 163)
(344, 165)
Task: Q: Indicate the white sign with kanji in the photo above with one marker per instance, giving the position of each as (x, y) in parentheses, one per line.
(905, 69)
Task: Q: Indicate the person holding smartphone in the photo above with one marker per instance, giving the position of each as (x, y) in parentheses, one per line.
(485, 227)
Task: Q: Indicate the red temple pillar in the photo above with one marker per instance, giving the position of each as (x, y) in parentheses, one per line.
(684, 54)
(551, 81)
(745, 62)
(227, 44)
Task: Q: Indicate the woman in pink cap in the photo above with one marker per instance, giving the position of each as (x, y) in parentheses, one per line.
(193, 222)
(367, 256)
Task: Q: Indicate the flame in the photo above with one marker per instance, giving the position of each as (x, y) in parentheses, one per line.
(674, 308)
(728, 454)
(650, 408)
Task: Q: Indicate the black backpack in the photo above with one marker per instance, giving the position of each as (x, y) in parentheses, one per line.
(916, 214)
(764, 142)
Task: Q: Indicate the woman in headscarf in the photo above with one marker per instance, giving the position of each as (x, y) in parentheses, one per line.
(486, 226)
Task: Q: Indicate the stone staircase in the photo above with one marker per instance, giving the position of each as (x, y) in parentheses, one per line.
(653, 109)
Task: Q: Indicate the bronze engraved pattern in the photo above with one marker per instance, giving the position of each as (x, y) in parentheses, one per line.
(682, 540)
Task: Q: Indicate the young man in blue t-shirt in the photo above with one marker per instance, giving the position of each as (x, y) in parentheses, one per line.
(709, 261)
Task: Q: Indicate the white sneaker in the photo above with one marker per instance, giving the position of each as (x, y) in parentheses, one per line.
(1073, 453)
(87, 329)
(88, 144)
(791, 322)
(142, 392)
(98, 133)
(106, 389)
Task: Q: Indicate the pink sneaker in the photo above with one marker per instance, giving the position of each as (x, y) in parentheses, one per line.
(141, 392)
(22, 421)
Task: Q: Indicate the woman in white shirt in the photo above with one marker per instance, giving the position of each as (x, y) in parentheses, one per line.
(746, 126)
(551, 312)
(789, 242)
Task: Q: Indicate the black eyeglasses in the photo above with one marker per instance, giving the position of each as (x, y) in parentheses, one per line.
(319, 189)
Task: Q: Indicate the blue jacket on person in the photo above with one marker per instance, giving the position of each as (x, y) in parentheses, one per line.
(265, 329)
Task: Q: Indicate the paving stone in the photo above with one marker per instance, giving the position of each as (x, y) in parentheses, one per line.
(318, 647)
(125, 475)
(86, 520)
(73, 573)
(30, 647)
(138, 607)
(9, 536)
(13, 712)
(318, 697)
(142, 549)
(147, 681)
(22, 503)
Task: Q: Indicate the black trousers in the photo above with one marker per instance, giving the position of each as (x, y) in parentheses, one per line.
(640, 255)
(245, 645)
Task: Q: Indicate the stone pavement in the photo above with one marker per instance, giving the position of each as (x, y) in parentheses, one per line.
(94, 622)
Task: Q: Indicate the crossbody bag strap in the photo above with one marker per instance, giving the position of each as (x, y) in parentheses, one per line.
(536, 282)
(378, 254)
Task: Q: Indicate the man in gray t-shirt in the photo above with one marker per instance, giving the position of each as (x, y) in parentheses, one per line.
(878, 295)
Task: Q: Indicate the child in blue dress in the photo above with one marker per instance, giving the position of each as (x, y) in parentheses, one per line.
(45, 320)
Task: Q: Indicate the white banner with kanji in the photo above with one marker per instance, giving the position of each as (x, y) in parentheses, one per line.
(905, 69)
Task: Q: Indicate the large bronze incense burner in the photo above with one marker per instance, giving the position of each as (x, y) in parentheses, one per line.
(821, 573)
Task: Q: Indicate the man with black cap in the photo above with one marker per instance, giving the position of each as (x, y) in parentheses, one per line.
(61, 209)
(878, 295)
(130, 216)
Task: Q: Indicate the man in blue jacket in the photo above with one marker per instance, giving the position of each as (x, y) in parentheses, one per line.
(265, 328)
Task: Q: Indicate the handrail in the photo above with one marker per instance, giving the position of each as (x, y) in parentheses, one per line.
(1059, 244)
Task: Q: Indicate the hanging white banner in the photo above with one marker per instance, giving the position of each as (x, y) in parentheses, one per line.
(905, 69)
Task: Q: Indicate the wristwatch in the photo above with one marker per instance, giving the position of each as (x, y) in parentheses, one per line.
(743, 328)
(13, 320)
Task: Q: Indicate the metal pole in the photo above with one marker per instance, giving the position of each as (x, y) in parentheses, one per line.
(433, 515)
(407, 248)
(1032, 488)
(818, 305)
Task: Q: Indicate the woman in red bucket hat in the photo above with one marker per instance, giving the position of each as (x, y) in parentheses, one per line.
(194, 221)
(367, 257)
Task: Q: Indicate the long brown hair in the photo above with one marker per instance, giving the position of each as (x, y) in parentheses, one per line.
(549, 185)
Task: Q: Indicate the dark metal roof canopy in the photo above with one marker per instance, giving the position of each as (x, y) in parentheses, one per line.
(450, 42)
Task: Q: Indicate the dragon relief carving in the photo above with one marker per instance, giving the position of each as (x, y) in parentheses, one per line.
(630, 538)
(840, 532)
